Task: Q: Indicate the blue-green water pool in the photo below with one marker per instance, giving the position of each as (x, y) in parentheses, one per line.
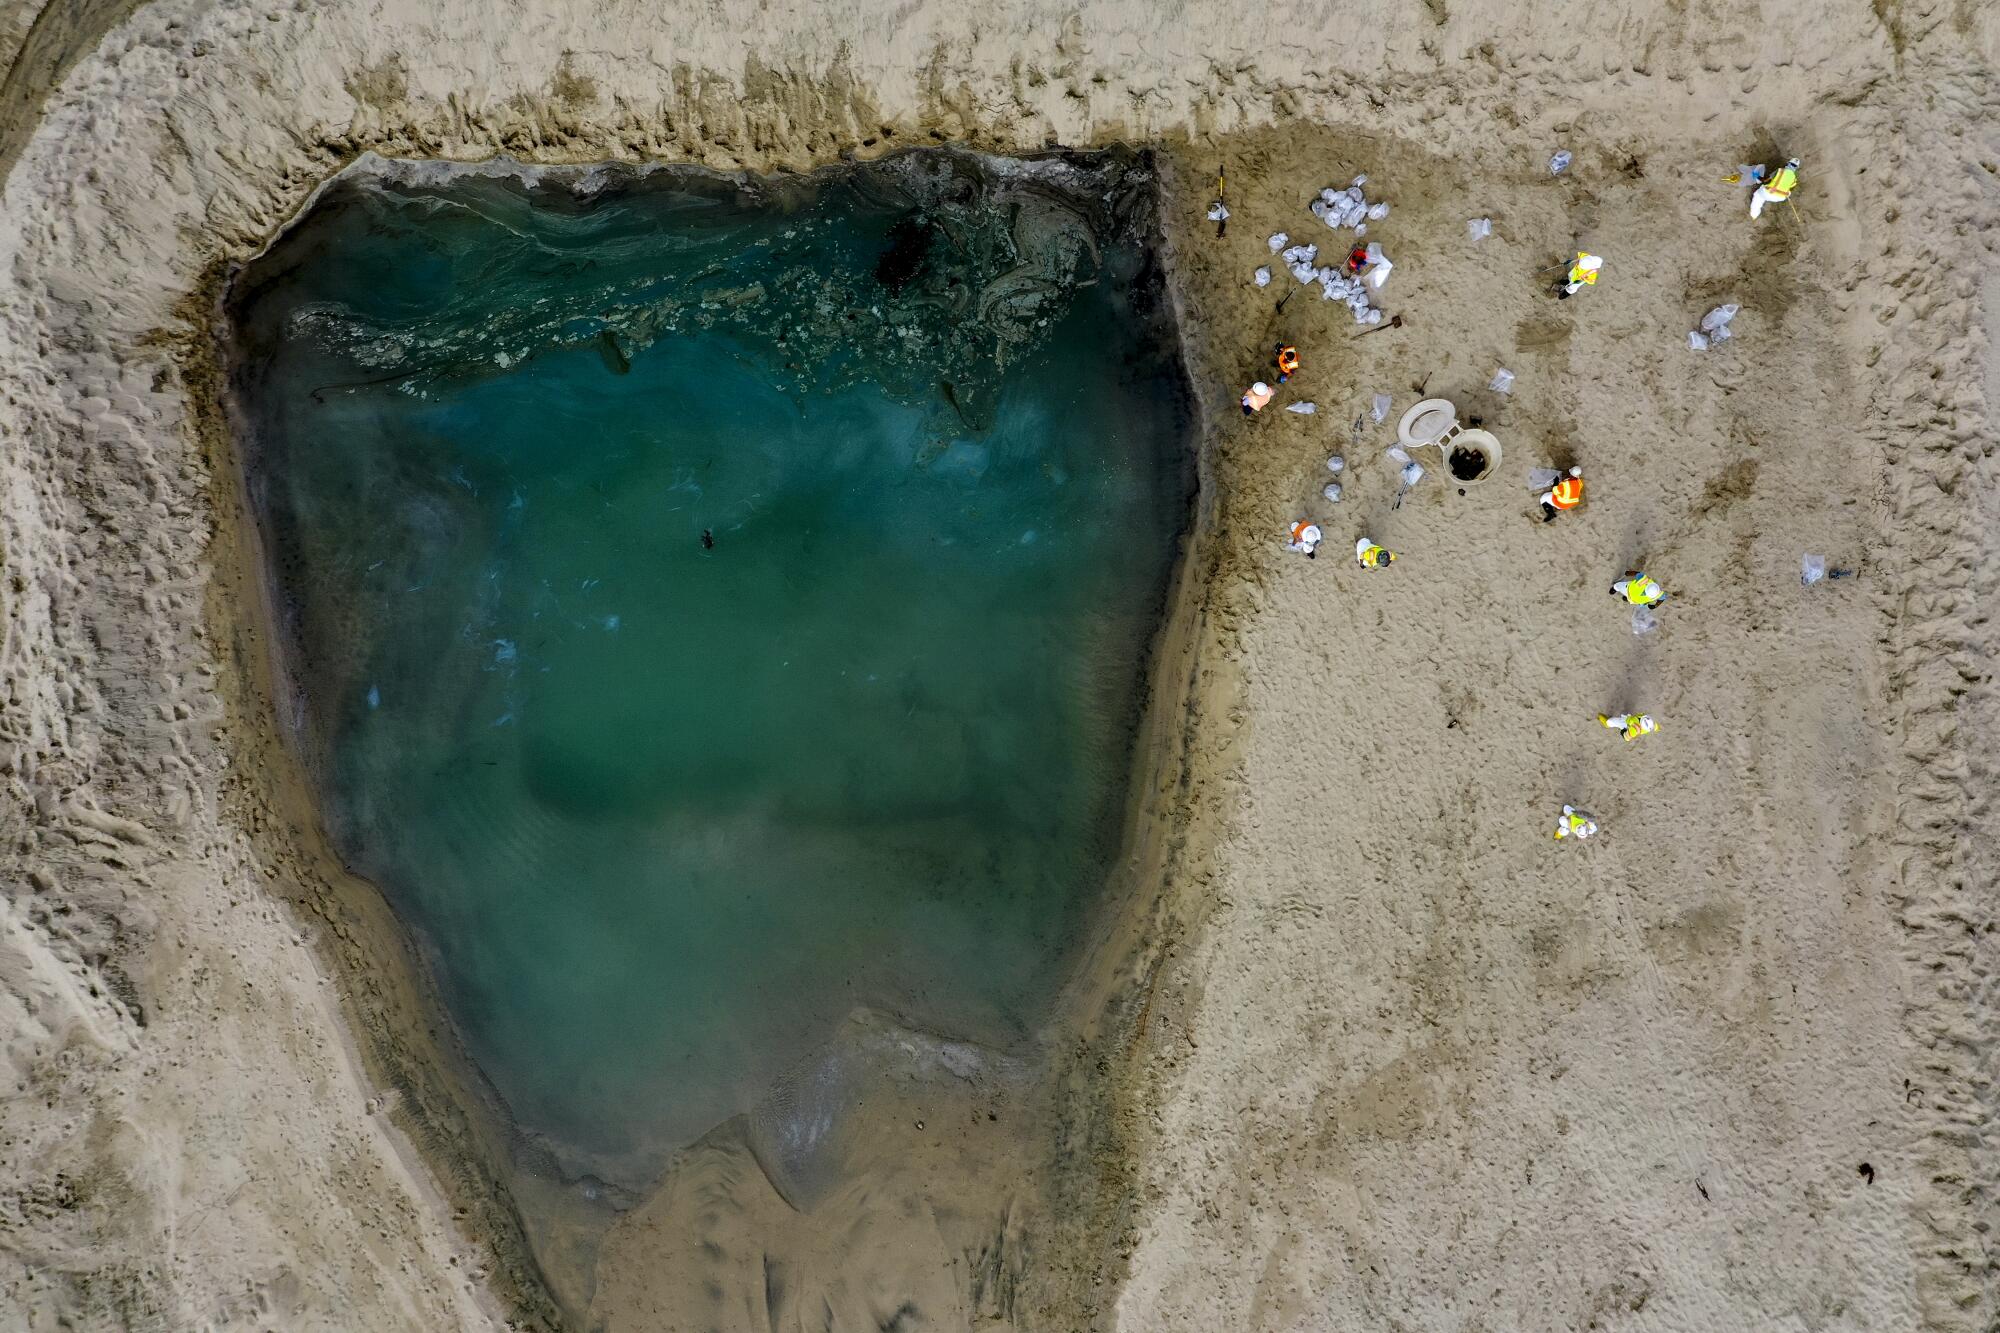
(714, 604)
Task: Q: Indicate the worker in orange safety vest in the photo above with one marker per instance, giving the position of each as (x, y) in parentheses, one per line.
(1564, 496)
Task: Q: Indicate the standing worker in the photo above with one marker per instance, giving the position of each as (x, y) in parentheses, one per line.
(1631, 725)
(1288, 361)
(1257, 398)
(1373, 556)
(1305, 537)
(1564, 496)
(1776, 190)
(1582, 273)
(1575, 824)
(1637, 589)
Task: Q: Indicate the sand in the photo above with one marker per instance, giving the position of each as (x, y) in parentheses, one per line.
(1381, 1053)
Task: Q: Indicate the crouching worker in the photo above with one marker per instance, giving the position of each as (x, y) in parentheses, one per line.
(1639, 590)
(1372, 555)
(1564, 496)
(1288, 361)
(1583, 273)
(1629, 725)
(1575, 824)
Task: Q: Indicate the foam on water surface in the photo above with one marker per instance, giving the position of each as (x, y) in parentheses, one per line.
(663, 813)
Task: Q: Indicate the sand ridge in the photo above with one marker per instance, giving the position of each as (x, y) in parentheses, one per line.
(1401, 1062)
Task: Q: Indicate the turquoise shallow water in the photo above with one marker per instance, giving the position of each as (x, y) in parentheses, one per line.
(661, 813)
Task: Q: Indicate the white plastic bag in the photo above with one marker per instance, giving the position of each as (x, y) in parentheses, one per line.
(1379, 265)
(1331, 491)
(1277, 241)
(1262, 277)
(1336, 464)
(1560, 162)
(1303, 409)
(1377, 211)
(1541, 478)
(1502, 381)
(1397, 454)
(1644, 621)
(1812, 569)
(1478, 229)
(1412, 474)
(1379, 409)
(1714, 328)
(1218, 212)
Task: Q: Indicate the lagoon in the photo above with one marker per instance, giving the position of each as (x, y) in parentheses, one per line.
(717, 605)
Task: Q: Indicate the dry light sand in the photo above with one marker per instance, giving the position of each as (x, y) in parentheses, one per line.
(1364, 1047)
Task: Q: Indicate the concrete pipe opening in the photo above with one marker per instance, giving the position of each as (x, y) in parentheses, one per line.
(1471, 457)
(1426, 423)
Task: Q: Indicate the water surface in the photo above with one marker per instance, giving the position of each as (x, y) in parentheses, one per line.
(662, 807)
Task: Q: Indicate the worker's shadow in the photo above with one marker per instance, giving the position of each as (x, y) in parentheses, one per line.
(1630, 689)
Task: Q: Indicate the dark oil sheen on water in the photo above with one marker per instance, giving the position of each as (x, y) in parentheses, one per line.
(718, 604)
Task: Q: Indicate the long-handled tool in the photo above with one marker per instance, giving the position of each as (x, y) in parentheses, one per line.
(1797, 221)
(1221, 223)
(1393, 322)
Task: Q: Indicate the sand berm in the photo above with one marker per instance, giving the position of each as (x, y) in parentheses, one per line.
(1397, 1060)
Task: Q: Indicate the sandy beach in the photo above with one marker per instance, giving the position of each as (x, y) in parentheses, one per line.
(1359, 1045)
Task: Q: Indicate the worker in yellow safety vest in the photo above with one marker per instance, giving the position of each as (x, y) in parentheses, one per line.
(1630, 725)
(1564, 496)
(1372, 555)
(1637, 589)
(1582, 273)
(1575, 824)
(1777, 189)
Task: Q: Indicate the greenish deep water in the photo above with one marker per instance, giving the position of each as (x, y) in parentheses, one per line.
(659, 814)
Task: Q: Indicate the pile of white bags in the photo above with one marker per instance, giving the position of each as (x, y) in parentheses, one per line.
(1348, 208)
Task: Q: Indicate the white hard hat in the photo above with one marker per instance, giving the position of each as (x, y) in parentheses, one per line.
(1589, 263)
(1576, 472)
(1260, 387)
